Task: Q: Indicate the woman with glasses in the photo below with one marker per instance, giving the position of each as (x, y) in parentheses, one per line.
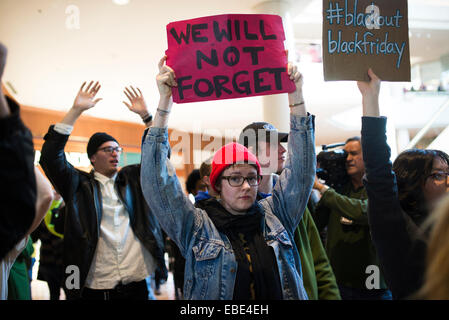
(235, 247)
(400, 196)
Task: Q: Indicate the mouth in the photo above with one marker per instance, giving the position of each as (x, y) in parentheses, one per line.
(245, 198)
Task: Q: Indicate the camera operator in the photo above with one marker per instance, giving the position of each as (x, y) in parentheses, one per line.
(349, 246)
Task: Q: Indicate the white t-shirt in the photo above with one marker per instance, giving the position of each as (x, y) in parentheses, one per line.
(6, 264)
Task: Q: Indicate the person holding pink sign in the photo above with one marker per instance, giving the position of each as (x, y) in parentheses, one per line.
(235, 247)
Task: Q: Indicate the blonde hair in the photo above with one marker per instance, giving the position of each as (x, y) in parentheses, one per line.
(436, 279)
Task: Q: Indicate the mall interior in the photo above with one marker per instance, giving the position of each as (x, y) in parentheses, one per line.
(56, 45)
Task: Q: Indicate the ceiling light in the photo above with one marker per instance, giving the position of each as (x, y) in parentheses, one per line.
(121, 2)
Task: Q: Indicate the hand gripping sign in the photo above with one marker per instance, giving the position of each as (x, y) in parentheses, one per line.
(362, 34)
(228, 56)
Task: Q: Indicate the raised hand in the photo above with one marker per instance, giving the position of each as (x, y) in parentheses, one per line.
(371, 88)
(296, 98)
(370, 94)
(85, 99)
(295, 75)
(136, 101)
(165, 78)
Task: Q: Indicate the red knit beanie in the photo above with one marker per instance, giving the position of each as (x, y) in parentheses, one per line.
(228, 155)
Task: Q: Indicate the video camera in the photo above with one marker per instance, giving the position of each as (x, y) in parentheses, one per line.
(332, 166)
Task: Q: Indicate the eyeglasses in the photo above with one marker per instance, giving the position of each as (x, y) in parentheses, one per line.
(238, 180)
(111, 149)
(439, 176)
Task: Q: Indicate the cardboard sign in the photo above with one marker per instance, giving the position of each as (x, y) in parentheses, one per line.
(362, 34)
(228, 56)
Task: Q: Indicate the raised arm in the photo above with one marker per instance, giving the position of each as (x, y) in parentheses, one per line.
(61, 173)
(292, 191)
(84, 100)
(296, 99)
(370, 95)
(160, 186)
(166, 79)
(390, 227)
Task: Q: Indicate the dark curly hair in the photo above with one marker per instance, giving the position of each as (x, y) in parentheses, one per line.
(192, 179)
(412, 168)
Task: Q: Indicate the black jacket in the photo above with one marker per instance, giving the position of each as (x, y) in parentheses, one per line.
(400, 243)
(82, 195)
(18, 190)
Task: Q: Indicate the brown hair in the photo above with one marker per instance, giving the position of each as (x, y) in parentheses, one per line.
(206, 168)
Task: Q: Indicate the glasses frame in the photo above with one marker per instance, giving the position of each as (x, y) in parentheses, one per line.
(434, 178)
(119, 150)
(243, 180)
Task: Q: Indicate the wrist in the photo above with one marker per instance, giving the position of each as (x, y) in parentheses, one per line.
(165, 104)
(147, 118)
(76, 110)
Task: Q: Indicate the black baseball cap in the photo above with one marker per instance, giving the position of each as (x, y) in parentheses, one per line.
(256, 131)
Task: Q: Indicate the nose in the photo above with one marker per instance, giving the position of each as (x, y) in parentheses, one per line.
(245, 184)
(115, 152)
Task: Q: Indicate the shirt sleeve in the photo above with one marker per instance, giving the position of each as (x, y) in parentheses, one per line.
(63, 128)
(292, 190)
(163, 192)
(350, 208)
(325, 278)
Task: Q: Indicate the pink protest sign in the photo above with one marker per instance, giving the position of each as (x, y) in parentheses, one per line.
(228, 56)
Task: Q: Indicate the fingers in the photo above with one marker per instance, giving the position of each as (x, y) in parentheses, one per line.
(293, 73)
(92, 90)
(128, 95)
(132, 94)
(167, 79)
(166, 74)
(372, 75)
(135, 92)
(88, 87)
(296, 76)
(126, 104)
(82, 86)
(161, 62)
(95, 89)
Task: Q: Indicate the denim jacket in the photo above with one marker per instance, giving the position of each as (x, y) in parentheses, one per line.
(210, 269)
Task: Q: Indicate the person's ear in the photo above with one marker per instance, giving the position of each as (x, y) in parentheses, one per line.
(218, 186)
(92, 159)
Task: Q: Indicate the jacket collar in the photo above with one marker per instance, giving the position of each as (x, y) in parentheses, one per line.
(102, 178)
